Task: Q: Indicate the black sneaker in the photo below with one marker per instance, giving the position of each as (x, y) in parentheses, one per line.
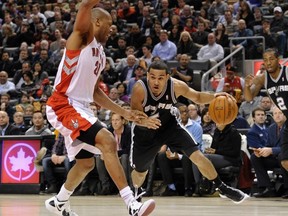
(237, 196)
(139, 192)
(169, 192)
(188, 192)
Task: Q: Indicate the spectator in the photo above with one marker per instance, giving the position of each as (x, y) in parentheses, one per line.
(279, 27)
(18, 77)
(165, 49)
(174, 34)
(270, 40)
(6, 64)
(208, 126)
(257, 135)
(267, 157)
(212, 51)
(6, 106)
(248, 44)
(135, 37)
(112, 42)
(5, 127)
(127, 13)
(128, 70)
(58, 158)
(28, 86)
(225, 149)
(245, 13)
(147, 55)
(5, 84)
(216, 9)
(230, 23)
(221, 36)
(183, 71)
(185, 45)
(200, 38)
(110, 77)
(193, 112)
(38, 73)
(139, 74)
(38, 127)
(232, 84)
(122, 91)
(18, 121)
(246, 107)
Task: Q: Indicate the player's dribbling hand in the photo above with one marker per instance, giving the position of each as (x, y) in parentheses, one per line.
(225, 94)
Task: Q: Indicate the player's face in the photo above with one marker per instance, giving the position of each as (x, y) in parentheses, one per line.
(157, 80)
(105, 28)
(271, 62)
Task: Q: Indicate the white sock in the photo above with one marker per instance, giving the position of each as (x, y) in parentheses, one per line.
(64, 194)
(126, 194)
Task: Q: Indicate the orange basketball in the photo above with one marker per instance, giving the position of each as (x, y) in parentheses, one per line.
(223, 110)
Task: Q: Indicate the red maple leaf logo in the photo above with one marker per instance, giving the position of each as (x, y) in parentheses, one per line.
(20, 163)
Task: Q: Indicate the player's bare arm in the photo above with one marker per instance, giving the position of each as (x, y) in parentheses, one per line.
(83, 28)
(182, 89)
(137, 98)
(253, 84)
(103, 100)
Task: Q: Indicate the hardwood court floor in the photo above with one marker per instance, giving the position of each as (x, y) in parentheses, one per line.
(33, 205)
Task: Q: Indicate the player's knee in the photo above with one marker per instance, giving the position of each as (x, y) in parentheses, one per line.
(109, 145)
(86, 164)
(197, 157)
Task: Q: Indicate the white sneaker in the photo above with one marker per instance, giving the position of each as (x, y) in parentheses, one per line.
(57, 207)
(141, 209)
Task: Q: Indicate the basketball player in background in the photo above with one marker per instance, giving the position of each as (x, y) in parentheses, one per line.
(156, 95)
(68, 110)
(275, 81)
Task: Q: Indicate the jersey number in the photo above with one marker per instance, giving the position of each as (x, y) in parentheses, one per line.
(281, 103)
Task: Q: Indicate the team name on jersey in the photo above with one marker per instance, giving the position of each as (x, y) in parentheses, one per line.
(159, 106)
(277, 89)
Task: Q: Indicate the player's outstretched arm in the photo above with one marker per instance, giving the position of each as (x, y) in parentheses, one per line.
(103, 100)
(83, 29)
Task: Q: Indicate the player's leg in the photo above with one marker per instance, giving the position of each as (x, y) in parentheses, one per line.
(107, 144)
(59, 204)
(207, 170)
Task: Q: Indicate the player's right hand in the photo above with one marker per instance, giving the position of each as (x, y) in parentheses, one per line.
(249, 80)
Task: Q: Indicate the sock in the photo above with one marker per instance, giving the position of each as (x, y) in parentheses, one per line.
(64, 194)
(126, 194)
(172, 187)
(217, 181)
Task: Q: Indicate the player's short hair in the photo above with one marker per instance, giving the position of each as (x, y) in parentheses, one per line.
(158, 65)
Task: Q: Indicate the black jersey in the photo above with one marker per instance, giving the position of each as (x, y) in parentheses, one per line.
(162, 106)
(277, 89)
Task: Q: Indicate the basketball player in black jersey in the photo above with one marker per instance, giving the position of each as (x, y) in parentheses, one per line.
(275, 81)
(156, 96)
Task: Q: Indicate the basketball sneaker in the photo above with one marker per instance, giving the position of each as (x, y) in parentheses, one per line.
(139, 192)
(136, 208)
(57, 207)
(237, 196)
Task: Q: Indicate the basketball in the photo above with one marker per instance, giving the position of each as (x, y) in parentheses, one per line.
(223, 110)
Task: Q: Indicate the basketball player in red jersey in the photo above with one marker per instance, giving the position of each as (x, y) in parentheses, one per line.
(68, 110)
